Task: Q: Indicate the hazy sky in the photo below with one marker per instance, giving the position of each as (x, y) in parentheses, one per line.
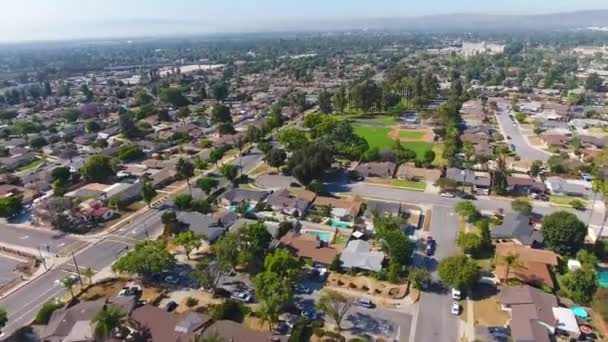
(58, 19)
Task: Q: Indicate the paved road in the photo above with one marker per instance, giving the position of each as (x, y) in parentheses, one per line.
(32, 238)
(435, 322)
(523, 149)
(482, 203)
(23, 304)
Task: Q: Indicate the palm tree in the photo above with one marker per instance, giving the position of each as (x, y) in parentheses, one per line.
(106, 320)
(511, 262)
(268, 314)
(89, 273)
(596, 186)
(68, 283)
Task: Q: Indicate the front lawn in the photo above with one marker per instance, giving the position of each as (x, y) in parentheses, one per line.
(420, 186)
(565, 200)
(32, 165)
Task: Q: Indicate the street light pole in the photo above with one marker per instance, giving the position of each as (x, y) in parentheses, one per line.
(77, 270)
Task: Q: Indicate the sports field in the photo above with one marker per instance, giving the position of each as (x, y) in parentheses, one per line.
(380, 137)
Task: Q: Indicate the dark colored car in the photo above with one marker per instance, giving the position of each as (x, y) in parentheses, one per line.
(430, 246)
(170, 306)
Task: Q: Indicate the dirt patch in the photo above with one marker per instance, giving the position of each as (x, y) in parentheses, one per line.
(104, 289)
(396, 133)
(359, 285)
(487, 310)
(535, 141)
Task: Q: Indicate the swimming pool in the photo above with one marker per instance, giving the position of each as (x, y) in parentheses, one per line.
(323, 236)
(234, 207)
(340, 224)
(602, 277)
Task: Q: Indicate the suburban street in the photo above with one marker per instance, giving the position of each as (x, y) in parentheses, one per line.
(522, 148)
(435, 322)
(94, 252)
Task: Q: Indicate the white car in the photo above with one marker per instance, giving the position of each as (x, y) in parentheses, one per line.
(242, 297)
(455, 308)
(447, 194)
(456, 294)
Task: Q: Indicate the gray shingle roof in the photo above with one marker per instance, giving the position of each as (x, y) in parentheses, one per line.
(358, 254)
(517, 226)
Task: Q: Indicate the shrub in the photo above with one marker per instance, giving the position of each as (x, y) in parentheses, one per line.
(45, 312)
(191, 301)
(577, 204)
(230, 310)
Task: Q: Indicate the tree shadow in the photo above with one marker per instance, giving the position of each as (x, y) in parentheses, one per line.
(363, 323)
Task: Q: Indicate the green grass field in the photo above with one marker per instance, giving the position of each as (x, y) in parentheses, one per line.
(411, 134)
(378, 137)
(419, 186)
(31, 165)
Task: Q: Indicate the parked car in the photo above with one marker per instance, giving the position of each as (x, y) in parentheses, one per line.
(171, 279)
(447, 194)
(431, 244)
(508, 137)
(513, 148)
(242, 297)
(456, 294)
(455, 308)
(169, 307)
(466, 196)
(365, 302)
(299, 288)
(310, 314)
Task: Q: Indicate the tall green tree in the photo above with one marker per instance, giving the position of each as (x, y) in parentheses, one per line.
(459, 272)
(174, 97)
(148, 192)
(189, 241)
(98, 169)
(325, 105)
(207, 184)
(185, 170)
(335, 305)
(145, 259)
(230, 172)
(564, 233)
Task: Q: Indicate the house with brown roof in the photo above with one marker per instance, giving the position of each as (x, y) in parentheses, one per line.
(536, 265)
(342, 209)
(309, 247)
(524, 184)
(411, 172)
(233, 331)
(160, 325)
(376, 169)
(555, 140)
(297, 206)
(531, 311)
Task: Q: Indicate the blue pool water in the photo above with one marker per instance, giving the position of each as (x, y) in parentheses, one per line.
(579, 311)
(233, 208)
(340, 224)
(321, 235)
(602, 277)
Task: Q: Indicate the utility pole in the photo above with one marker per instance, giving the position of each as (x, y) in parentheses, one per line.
(42, 257)
(77, 270)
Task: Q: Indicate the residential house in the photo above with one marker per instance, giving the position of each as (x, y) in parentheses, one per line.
(75, 323)
(413, 173)
(296, 206)
(536, 265)
(164, 326)
(271, 227)
(516, 227)
(124, 192)
(233, 331)
(237, 196)
(530, 107)
(555, 140)
(163, 177)
(206, 225)
(96, 210)
(309, 247)
(593, 141)
(14, 161)
(376, 169)
(560, 186)
(531, 312)
(342, 209)
(379, 208)
(358, 255)
(90, 190)
(478, 180)
(523, 184)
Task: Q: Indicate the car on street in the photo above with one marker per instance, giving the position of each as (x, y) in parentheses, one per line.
(243, 297)
(447, 194)
(365, 303)
(466, 196)
(455, 308)
(456, 294)
(513, 148)
(169, 307)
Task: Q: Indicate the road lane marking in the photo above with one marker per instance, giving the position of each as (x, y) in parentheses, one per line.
(15, 320)
(24, 237)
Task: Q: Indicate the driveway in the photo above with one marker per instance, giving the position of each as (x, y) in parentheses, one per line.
(522, 148)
